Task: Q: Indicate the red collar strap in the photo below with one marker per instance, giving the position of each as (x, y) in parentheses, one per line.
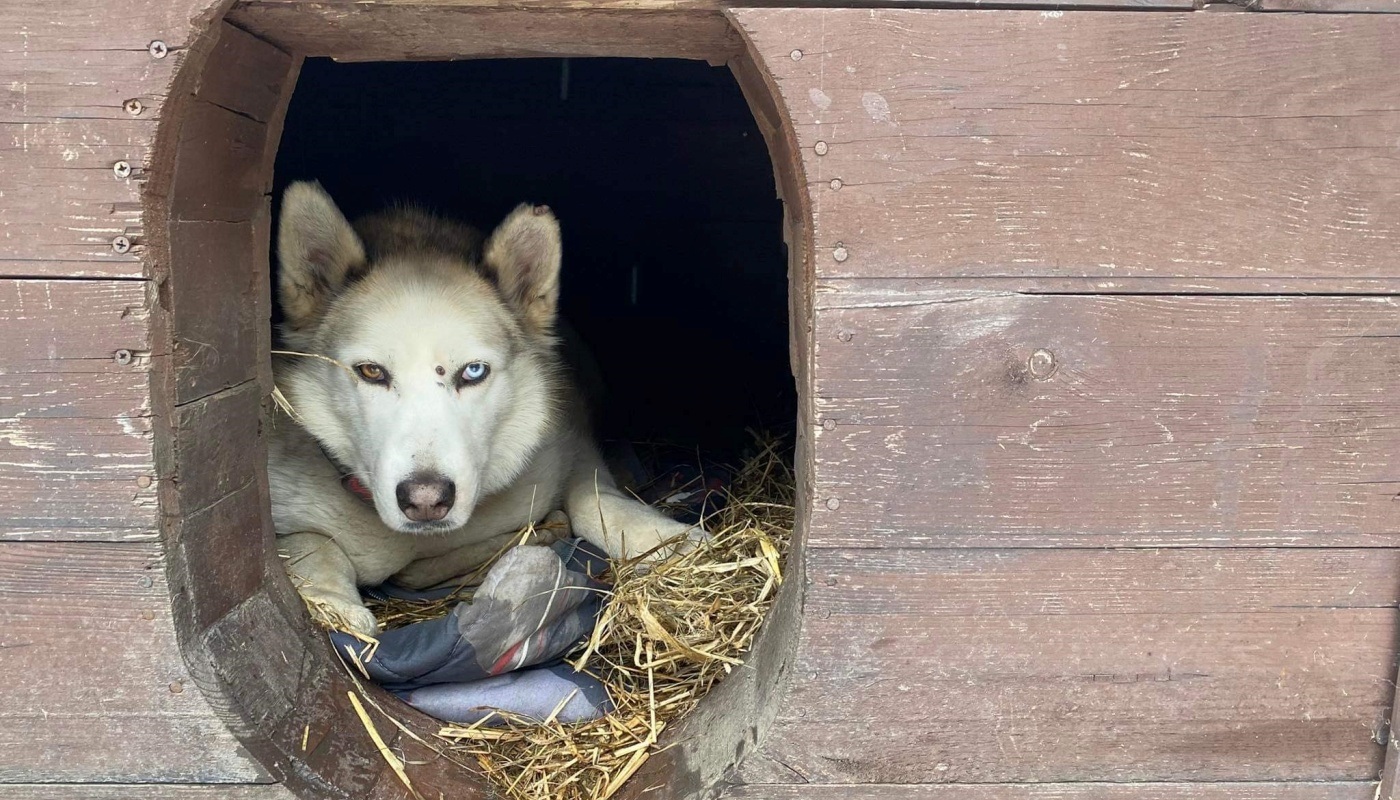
(353, 485)
(348, 479)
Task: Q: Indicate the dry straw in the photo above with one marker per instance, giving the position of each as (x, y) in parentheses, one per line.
(666, 636)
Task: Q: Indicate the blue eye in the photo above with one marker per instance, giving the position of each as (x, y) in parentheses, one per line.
(474, 373)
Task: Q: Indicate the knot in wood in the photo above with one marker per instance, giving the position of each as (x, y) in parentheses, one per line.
(1041, 364)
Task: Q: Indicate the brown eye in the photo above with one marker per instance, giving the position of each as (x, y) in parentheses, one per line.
(372, 373)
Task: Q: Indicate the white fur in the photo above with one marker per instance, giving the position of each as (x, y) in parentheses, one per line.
(517, 446)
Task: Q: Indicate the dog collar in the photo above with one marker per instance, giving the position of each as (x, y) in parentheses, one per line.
(348, 479)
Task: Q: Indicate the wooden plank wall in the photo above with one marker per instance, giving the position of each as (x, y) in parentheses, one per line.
(96, 687)
(1104, 487)
(1103, 327)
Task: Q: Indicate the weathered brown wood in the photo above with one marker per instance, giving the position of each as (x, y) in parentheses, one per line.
(97, 684)
(1329, 6)
(75, 429)
(65, 72)
(891, 698)
(1152, 420)
(220, 311)
(143, 791)
(984, 583)
(1051, 665)
(1328, 790)
(404, 32)
(1030, 144)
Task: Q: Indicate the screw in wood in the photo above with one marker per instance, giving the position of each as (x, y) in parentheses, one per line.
(146, 582)
(840, 253)
(796, 55)
(133, 107)
(123, 357)
(845, 335)
(158, 49)
(828, 424)
(1041, 364)
(832, 503)
(836, 184)
(820, 148)
(144, 482)
(176, 687)
(121, 244)
(122, 169)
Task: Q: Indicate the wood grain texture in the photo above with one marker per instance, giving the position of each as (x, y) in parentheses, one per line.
(1156, 420)
(1329, 6)
(75, 425)
(65, 72)
(143, 791)
(1322, 790)
(414, 32)
(1028, 144)
(1027, 665)
(98, 686)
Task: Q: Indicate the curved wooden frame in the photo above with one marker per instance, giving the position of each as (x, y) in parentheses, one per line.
(245, 635)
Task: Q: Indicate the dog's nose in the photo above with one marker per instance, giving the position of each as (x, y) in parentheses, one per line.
(425, 497)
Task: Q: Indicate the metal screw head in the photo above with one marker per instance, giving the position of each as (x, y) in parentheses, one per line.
(121, 244)
(133, 107)
(820, 148)
(123, 357)
(176, 687)
(122, 169)
(796, 55)
(833, 503)
(158, 49)
(845, 336)
(146, 582)
(836, 184)
(828, 424)
(840, 253)
(1041, 364)
(144, 482)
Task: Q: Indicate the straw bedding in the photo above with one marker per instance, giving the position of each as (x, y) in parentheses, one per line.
(665, 637)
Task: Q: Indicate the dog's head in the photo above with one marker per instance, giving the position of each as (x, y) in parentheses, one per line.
(438, 381)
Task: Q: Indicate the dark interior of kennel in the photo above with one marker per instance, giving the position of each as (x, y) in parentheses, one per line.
(674, 265)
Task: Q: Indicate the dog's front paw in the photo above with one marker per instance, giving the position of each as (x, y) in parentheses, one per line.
(671, 538)
(330, 610)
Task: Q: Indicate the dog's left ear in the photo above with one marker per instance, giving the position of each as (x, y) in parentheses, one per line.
(524, 253)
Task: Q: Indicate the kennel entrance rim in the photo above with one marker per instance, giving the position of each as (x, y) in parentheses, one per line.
(242, 629)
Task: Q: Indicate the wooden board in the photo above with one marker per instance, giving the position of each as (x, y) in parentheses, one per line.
(98, 686)
(143, 791)
(1034, 144)
(1156, 420)
(1032, 665)
(427, 32)
(75, 427)
(1328, 6)
(1329, 790)
(66, 71)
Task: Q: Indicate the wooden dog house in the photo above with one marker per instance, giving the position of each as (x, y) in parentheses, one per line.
(1094, 326)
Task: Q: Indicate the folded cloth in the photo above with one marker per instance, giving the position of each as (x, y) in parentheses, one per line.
(535, 604)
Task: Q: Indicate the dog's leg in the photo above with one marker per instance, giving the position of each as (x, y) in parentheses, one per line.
(471, 558)
(324, 576)
(615, 521)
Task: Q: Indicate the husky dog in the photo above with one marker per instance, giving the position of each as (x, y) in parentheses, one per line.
(434, 416)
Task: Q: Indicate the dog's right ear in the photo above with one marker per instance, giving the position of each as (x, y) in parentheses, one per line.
(318, 250)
